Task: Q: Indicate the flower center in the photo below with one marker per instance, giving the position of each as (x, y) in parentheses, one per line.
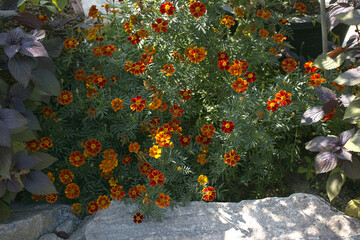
(93, 146)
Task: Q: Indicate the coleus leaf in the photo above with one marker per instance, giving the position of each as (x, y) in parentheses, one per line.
(345, 136)
(325, 161)
(38, 183)
(32, 48)
(19, 92)
(330, 105)
(46, 81)
(54, 46)
(312, 115)
(349, 78)
(325, 94)
(5, 139)
(12, 118)
(13, 185)
(29, 20)
(22, 161)
(351, 17)
(20, 68)
(5, 161)
(44, 160)
(33, 123)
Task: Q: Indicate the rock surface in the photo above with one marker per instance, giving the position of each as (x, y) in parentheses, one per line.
(300, 216)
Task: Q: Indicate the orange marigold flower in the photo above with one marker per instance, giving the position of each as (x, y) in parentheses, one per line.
(273, 51)
(228, 21)
(117, 193)
(309, 67)
(283, 98)
(110, 154)
(77, 159)
(195, 54)
(222, 56)
(150, 51)
(156, 177)
(338, 87)
(137, 68)
(42, 18)
(163, 139)
(197, 9)
(126, 160)
(138, 103)
(250, 77)
(176, 110)
(264, 33)
(239, 12)
(138, 218)
(103, 202)
(208, 130)
(93, 146)
(107, 165)
(80, 75)
(300, 7)
(134, 39)
(146, 59)
(76, 208)
(155, 104)
(159, 26)
(315, 80)
(93, 12)
(185, 94)
(266, 14)
(227, 126)
(70, 43)
(93, 207)
(168, 69)
(91, 92)
(329, 116)
(210, 194)
(65, 97)
(143, 34)
(155, 152)
(72, 191)
(272, 105)
(50, 175)
(289, 64)
(240, 85)
(202, 140)
(117, 104)
(91, 111)
(231, 158)
(279, 38)
(48, 112)
(201, 158)
(100, 80)
(108, 50)
(33, 145)
(284, 21)
(163, 200)
(185, 140)
(127, 27)
(37, 197)
(46, 143)
(238, 68)
(145, 168)
(97, 51)
(167, 8)
(134, 147)
(51, 198)
(66, 176)
(113, 182)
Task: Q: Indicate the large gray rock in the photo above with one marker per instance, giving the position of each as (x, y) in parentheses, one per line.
(300, 216)
(31, 221)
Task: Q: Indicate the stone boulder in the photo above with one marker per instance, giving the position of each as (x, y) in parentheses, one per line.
(299, 216)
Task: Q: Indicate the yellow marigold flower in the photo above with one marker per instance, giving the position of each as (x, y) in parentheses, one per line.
(113, 182)
(76, 208)
(155, 151)
(239, 12)
(117, 104)
(228, 21)
(134, 147)
(202, 179)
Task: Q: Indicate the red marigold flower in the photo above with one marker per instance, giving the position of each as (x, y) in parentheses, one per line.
(250, 77)
(108, 50)
(103, 202)
(156, 177)
(93, 12)
(134, 147)
(168, 69)
(127, 27)
(100, 81)
(117, 193)
(283, 98)
(222, 56)
(329, 116)
(264, 33)
(231, 158)
(42, 18)
(309, 67)
(93, 207)
(238, 68)
(273, 51)
(48, 112)
(117, 104)
(126, 160)
(315, 80)
(228, 21)
(65, 97)
(159, 26)
(97, 51)
(272, 105)
(163, 106)
(146, 59)
(283, 21)
(227, 126)
(279, 38)
(66, 176)
(176, 110)
(133, 193)
(195, 54)
(197, 9)
(185, 140)
(50, 175)
(108, 164)
(240, 85)
(202, 140)
(210, 194)
(114, 78)
(80, 75)
(338, 86)
(137, 68)
(185, 94)
(167, 8)
(163, 200)
(208, 130)
(77, 159)
(93, 146)
(138, 103)
(138, 218)
(51, 198)
(134, 38)
(72, 191)
(70, 43)
(46, 143)
(224, 65)
(300, 7)
(145, 168)
(33, 145)
(289, 64)
(76, 208)
(239, 12)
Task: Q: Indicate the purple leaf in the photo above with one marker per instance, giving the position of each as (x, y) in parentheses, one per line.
(3, 37)
(312, 115)
(17, 105)
(352, 39)
(46, 81)
(325, 161)
(314, 145)
(20, 68)
(325, 94)
(13, 185)
(12, 118)
(5, 161)
(32, 48)
(54, 46)
(344, 154)
(13, 45)
(38, 183)
(5, 139)
(334, 10)
(345, 136)
(347, 99)
(33, 123)
(330, 105)
(29, 20)
(22, 161)
(38, 34)
(2, 188)
(11, 50)
(19, 92)
(329, 142)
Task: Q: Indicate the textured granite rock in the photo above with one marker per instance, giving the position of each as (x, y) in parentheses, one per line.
(31, 221)
(300, 216)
